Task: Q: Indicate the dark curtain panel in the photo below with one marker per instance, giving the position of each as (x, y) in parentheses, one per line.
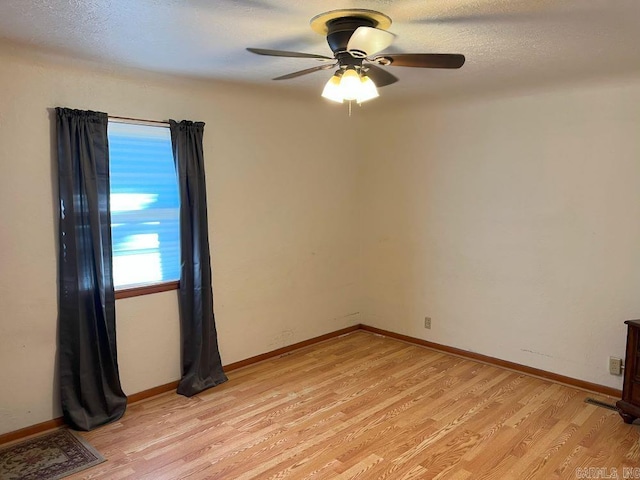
(201, 364)
(87, 360)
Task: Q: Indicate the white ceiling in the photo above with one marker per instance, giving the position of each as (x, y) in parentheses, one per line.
(507, 43)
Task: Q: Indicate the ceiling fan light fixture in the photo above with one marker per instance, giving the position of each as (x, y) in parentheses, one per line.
(368, 90)
(350, 84)
(358, 87)
(332, 90)
(355, 36)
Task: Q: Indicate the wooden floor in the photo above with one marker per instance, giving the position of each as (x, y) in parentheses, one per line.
(365, 406)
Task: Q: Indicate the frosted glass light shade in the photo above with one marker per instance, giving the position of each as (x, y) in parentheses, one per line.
(350, 84)
(368, 90)
(332, 90)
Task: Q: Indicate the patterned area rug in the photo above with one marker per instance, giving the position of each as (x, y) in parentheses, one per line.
(49, 457)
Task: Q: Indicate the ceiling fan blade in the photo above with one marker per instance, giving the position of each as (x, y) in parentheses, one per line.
(422, 60)
(304, 72)
(282, 53)
(368, 41)
(380, 76)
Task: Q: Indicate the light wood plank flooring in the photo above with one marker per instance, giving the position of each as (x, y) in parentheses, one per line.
(365, 406)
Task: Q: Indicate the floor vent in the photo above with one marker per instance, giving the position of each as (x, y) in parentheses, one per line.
(598, 403)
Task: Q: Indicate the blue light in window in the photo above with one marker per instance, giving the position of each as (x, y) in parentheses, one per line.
(145, 216)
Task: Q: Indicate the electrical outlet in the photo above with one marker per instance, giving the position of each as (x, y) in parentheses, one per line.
(427, 322)
(615, 366)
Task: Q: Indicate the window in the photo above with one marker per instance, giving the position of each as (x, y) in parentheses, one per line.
(145, 217)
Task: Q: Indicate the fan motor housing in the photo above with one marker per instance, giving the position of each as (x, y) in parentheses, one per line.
(340, 31)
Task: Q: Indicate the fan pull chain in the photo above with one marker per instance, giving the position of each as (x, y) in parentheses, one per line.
(349, 107)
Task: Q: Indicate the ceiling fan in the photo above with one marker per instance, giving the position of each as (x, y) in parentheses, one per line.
(356, 38)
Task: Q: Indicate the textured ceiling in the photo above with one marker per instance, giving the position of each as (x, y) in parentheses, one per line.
(508, 43)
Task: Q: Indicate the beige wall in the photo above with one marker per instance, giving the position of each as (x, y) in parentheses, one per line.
(513, 221)
(282, 224)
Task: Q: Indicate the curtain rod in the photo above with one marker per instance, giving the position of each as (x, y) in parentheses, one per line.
(141, 121)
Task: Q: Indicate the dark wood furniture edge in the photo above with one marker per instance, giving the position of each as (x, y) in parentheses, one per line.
(628, 411)
(629, 406)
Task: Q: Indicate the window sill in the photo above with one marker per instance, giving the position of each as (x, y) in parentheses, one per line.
(147, 289)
